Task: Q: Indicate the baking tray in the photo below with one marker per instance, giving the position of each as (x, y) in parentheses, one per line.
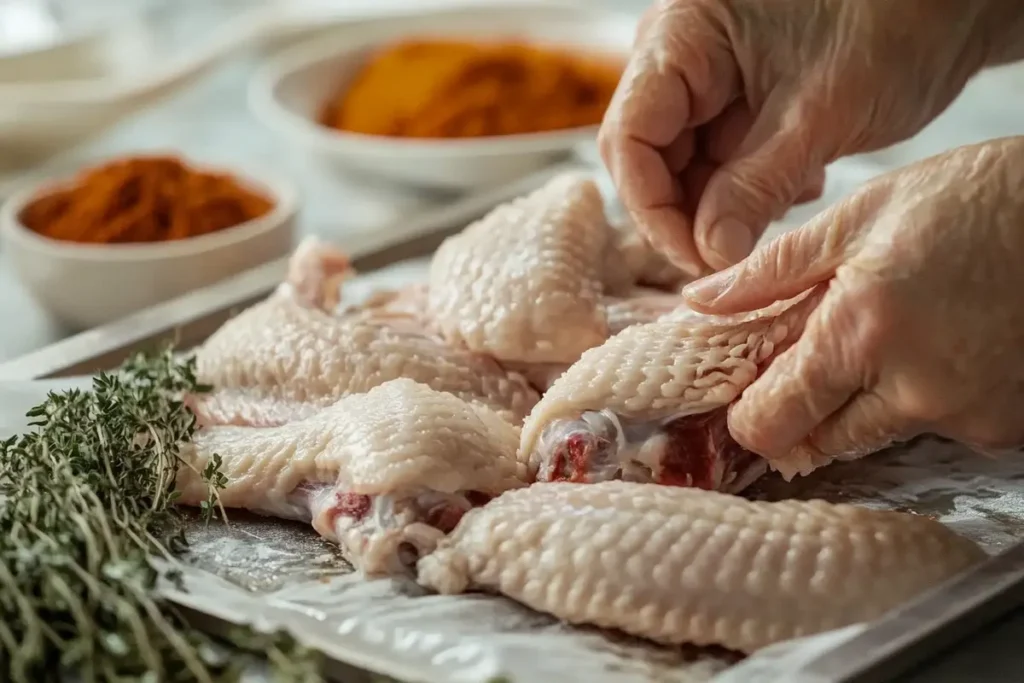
(880, 652)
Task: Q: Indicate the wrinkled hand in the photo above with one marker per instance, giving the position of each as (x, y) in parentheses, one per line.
(729, 110)
(921, 329)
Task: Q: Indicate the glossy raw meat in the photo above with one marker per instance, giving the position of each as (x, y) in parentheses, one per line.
(649, 404)
(384, 473)
(525, 282)
(683, 565)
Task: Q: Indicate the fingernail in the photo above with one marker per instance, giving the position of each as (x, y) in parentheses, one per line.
(731, 240)
(709, 288)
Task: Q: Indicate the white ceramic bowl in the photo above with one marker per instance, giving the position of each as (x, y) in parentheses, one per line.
(84, 285)
(287, 92)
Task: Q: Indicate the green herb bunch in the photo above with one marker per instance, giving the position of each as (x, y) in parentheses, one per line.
(85, 502)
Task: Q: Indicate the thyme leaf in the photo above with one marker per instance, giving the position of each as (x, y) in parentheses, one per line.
(86, 498)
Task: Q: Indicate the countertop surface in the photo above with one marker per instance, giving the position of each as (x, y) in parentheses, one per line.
(210, 120)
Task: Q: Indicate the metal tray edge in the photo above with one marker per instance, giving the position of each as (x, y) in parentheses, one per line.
(921, 629)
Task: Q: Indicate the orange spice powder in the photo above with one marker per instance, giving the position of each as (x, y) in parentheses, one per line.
(455, 89)
(142, 199)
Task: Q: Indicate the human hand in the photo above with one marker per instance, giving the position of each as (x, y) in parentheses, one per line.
(921, 328)
(729, 110)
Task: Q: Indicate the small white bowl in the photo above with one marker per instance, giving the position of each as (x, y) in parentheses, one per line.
(87, 285)
(288, 91)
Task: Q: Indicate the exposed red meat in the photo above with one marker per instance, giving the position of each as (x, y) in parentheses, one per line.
(696, 450)
(352, 505)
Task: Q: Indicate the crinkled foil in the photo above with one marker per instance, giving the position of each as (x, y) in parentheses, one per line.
(270, 573)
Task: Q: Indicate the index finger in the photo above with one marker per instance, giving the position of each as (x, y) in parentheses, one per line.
(675, 80)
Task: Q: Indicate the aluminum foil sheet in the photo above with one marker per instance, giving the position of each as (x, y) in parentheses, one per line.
(270, 573)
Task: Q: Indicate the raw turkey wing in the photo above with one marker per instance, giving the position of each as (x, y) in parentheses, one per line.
(680, 565)
(524, 283)
(650, 403)
(279, 360)
(385, 473)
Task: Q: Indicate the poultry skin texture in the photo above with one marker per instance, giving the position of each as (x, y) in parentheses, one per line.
(525, 282)
(649, 405)
(393, 427)
(384, 473)
(679, 565)
(285, 358)
(636, 307)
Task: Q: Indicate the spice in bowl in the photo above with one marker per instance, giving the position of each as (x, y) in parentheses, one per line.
(458, 89)
(142, 199)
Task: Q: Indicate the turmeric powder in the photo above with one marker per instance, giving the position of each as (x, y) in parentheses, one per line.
(142, 199)
(453, 89)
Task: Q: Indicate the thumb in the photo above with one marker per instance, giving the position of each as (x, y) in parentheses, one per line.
(780, 157)
(865, 425)
(788, 265)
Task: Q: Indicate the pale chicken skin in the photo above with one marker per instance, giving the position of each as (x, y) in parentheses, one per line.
(679, 565)
(649, 404)
(279, 361)
(385, 473)
(525, 282)
(289, 356)
(636, 307)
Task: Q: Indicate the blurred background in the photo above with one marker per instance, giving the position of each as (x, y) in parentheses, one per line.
(243, 85)
(83, 82)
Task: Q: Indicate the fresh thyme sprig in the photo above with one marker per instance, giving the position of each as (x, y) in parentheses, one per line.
(85, 501)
